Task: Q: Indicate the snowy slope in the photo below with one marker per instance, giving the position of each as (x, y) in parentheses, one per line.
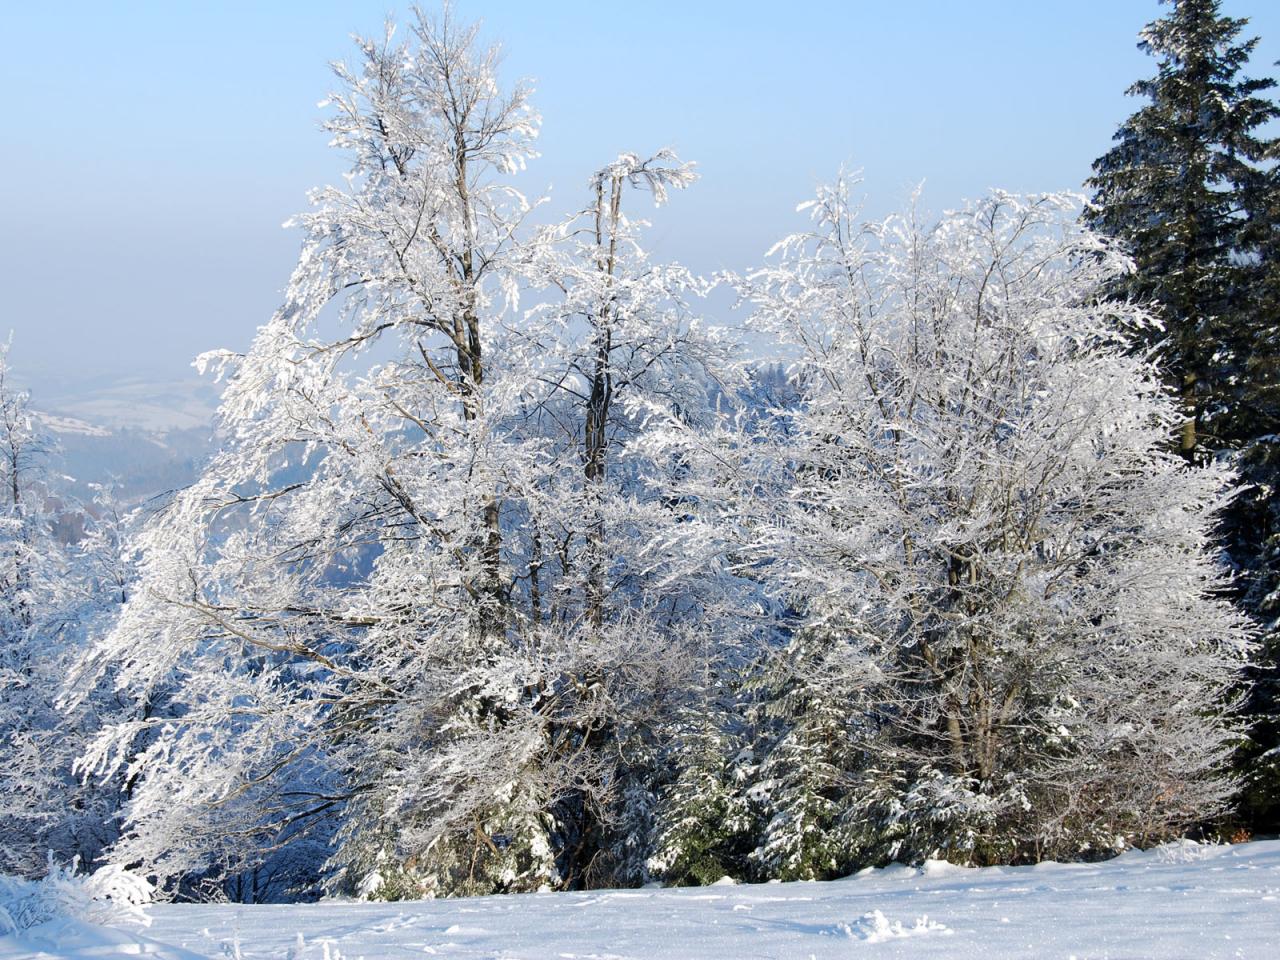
(1182, 901)
(152, 404)
(145, 436)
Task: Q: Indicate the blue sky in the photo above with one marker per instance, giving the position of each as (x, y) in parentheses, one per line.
(152, 150)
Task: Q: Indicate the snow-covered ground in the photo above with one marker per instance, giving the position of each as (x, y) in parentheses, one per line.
(1183, 901)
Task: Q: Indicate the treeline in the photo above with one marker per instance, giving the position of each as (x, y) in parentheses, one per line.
(577, 590)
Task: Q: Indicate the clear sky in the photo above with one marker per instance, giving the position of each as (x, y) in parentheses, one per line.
(151, 151)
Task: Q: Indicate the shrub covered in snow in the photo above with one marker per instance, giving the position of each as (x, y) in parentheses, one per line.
(109, 895)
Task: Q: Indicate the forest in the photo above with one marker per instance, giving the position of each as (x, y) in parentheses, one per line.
(518, 568)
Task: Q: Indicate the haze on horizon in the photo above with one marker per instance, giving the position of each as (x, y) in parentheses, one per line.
(155, 151)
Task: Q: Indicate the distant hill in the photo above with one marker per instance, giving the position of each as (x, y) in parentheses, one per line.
(157, 406)
(146, 436)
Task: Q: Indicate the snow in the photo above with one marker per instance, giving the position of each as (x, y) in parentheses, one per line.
(58, 424)
(74, 939)
(1181, 900)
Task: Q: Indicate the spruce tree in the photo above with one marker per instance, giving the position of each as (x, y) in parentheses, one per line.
(809, 754)
(1174, 189)
(704, 824)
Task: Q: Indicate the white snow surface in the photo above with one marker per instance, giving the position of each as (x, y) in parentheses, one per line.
(1178, 901)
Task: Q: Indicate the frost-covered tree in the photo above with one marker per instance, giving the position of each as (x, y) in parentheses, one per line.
(49, 605)
(430, 600)
(1006, 578)
(96, 581)
(624, 350)
(30, 651)
(332, 595)
(704, 822)
(808, 702)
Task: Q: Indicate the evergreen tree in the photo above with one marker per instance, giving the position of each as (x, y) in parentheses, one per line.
(704, 824)
(1252, 524)
(1175, 189)
(808, 727)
